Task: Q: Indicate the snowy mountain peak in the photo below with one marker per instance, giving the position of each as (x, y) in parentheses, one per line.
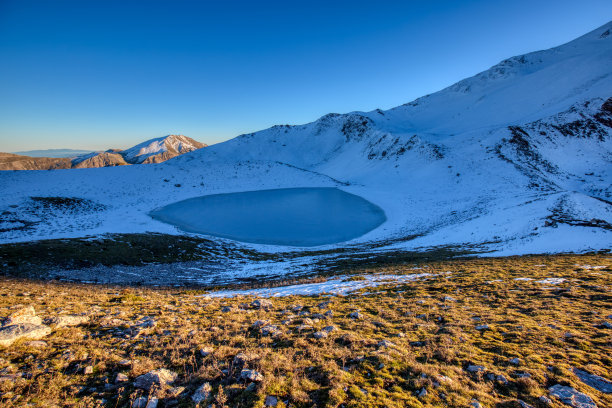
(514, 159)
(152, 151)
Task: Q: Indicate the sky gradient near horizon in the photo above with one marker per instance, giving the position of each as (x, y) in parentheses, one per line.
(102, 74)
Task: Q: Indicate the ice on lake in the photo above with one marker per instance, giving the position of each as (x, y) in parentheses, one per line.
(290, 216)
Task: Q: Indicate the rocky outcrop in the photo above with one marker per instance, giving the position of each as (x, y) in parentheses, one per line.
(12, 333)
(159, 378)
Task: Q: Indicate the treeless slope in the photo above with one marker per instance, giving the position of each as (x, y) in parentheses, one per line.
(9, 161)
(161, 149)
(103, 159)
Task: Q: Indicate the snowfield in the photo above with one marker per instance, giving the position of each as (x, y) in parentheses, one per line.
(515, 160)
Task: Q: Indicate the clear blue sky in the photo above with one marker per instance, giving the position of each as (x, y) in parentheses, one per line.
(100, 74)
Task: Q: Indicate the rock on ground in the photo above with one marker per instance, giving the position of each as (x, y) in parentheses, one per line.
(9, 334)
(160, 377)
(270, 401)
(261, 304)
(594, 381)
(251, 375)
(202, 393)
(320, 335)
(66, 320)
(572, 397)
(24, 315)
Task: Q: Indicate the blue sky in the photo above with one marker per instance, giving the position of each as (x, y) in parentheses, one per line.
(96, 75)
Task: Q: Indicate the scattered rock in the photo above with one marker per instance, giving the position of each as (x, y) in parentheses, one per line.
(482, 327)
(594, 381)
(475, 404)
(10, 334)
(475, 368)
(329, 329)
(121, 378)
(501, 379)
(515, 361)
(261, 304)
(324, 305)
(328, 314)
(66, 320)
(140, 402)
(523, 404)
(270, 401)
(422, 393)
(320, 335)
(176, 391)
(146, 323)
(226, 309)
(161, 377)
(152, 403)
(545, 400)
(355, 315)
(259, 323)
(241, 358)
(522, 374)
(88, 370)
(385, 343)
(24, 315)
(251, 375)
(270, 331)
(449, 299)
(202, 393)
(572, 397)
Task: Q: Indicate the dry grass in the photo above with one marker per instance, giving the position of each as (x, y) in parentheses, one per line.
(549, 330)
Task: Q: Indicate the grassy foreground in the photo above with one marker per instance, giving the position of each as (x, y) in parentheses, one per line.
(410, 346)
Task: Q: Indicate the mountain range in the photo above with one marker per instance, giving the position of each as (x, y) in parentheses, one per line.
(516, 159)
(152, 151)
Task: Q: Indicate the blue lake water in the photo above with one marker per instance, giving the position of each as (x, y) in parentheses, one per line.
(288, 216)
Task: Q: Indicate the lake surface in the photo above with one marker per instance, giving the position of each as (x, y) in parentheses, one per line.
(288, 216)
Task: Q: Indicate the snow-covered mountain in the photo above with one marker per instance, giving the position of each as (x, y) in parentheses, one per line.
(152, 151)
(161, 149)
(515, 159)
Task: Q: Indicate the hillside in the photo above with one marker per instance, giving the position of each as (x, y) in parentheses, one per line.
(515, 159)
(152, 151)
(161, 149)
(524, 332)
(9, 161)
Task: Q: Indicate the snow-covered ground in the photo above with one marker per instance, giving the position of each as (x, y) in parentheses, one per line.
(342, 286)
(516, 160)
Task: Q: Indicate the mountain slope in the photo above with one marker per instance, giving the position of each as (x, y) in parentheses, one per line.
(9, 161)
(98, 159)
(161, 149)
(515, 159)
(152, 151)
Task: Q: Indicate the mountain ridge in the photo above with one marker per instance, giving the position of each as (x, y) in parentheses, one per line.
(513, 159)
(155, 150)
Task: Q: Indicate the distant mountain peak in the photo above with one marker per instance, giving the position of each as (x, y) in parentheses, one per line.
(161, 149)
(151, 151)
